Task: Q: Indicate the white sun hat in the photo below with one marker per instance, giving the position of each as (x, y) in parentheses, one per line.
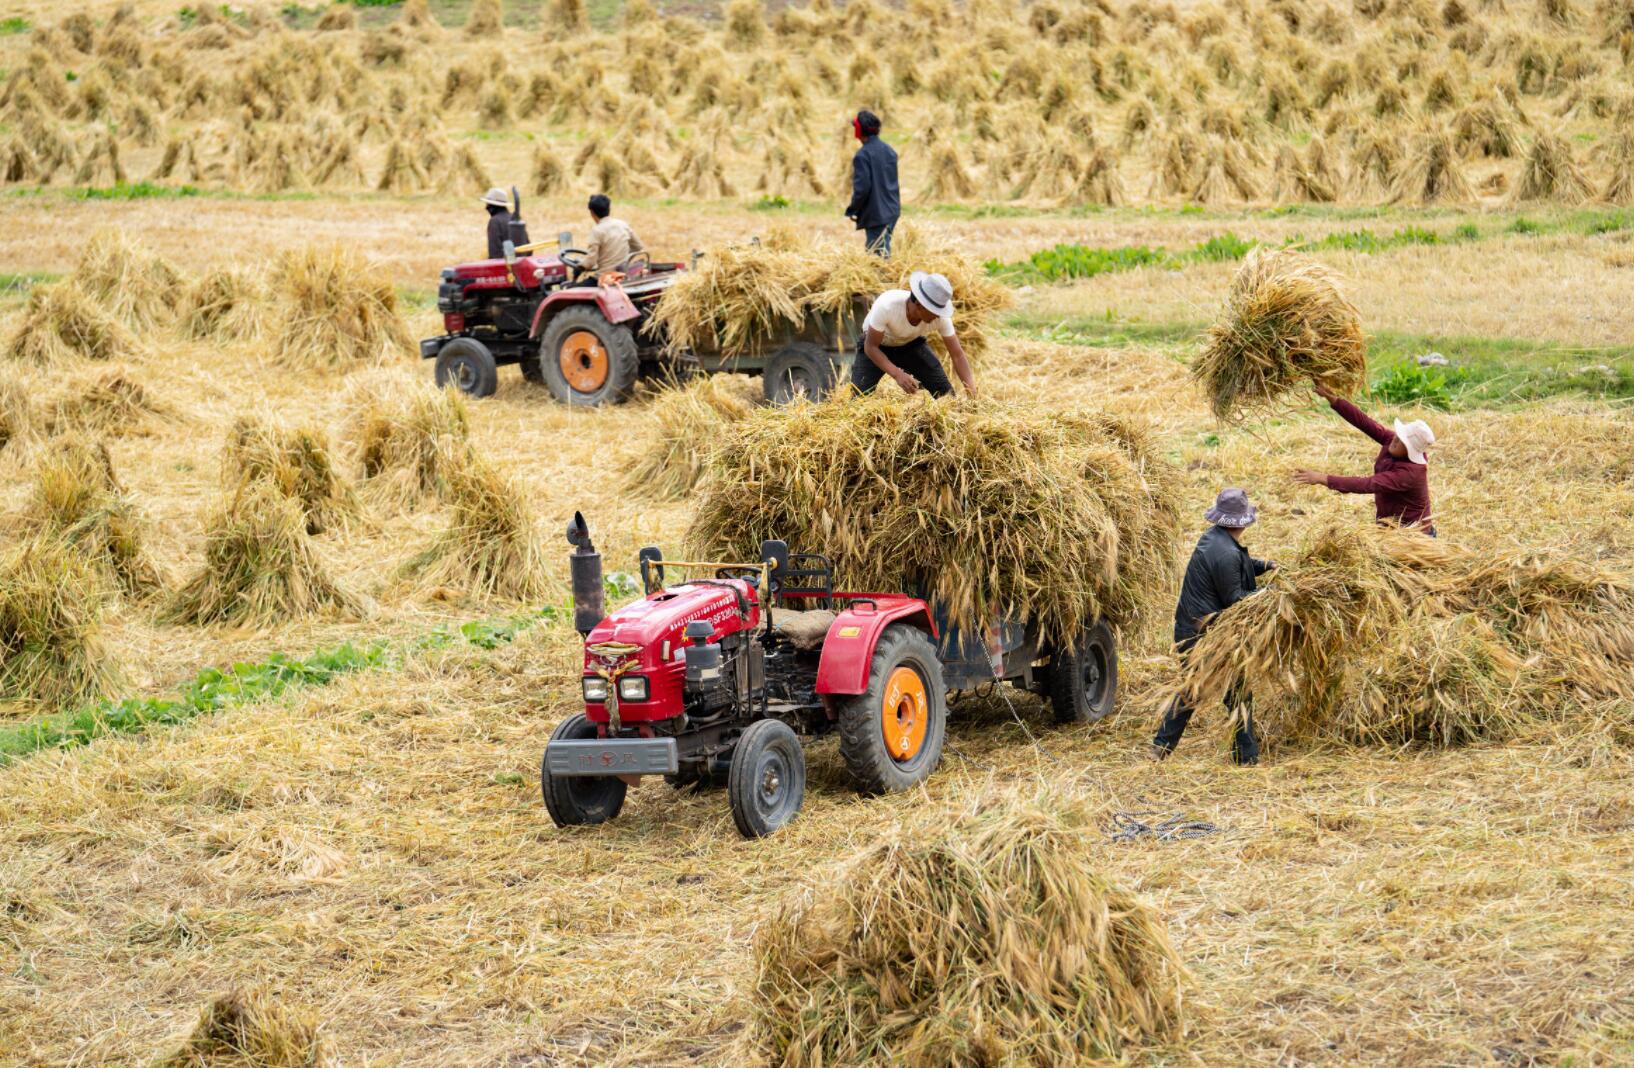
(1416, 436)
(933, 292)
(497, 197)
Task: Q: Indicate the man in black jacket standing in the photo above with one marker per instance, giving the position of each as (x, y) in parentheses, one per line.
(1220, 574)
(876, 201)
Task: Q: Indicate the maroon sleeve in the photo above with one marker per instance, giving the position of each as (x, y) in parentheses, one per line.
(1390, 481)
(1358, 419)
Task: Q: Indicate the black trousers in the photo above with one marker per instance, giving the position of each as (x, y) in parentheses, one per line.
(1245, 747)
(916, 358)
(878, 239)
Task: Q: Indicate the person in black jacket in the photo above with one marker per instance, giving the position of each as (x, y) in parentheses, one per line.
(499, 223)
(1220, 574)
(876, 202)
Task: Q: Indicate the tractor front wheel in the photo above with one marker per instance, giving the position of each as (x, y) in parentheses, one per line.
(466, 364)
(574, 800)
(588, 361)
(892, 734)
(1084, 681)
(767, 780)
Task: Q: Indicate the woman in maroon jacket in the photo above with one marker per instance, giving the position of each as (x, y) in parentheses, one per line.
(1400, 481)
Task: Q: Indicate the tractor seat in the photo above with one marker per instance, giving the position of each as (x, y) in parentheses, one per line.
(804, 630)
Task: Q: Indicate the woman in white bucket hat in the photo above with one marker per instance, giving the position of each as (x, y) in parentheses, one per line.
(1400, 482)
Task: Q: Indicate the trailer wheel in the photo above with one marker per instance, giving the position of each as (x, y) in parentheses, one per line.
(588, 361)
(891, 735)
(799, 369)
(575, 800)
(466, 364)
(1084, 682)
(767, 781)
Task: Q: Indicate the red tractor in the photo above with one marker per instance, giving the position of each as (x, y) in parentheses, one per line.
(715, 680)
(587, 340)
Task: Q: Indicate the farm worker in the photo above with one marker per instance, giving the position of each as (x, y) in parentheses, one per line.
(1400, 482)
(1220, 574)
(499, 222)
(876, 202)
(892, 340)
(611, 243)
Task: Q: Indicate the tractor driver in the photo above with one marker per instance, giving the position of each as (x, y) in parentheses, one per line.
(611, 242)
(892, 341)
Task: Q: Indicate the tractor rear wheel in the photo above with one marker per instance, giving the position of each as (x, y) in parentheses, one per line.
(1084, 681)
(588, 361)
(574, 800)
(892, 734)
(466, 364)
(767, 781)
(799, 369)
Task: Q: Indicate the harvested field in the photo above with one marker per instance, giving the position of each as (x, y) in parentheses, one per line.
(309, 831)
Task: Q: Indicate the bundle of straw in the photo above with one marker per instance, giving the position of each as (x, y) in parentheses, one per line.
(1382, 636)
(128, 280)
(491, 547)
(690, 423)
(19, 418)
(113, 402)
(407, 433)
(260, 565)
(333, 310)
(61, 323)
(295, 462)
(78, 500)
(987, 510)
(738, 296)
(1286, 320)
(251, 1028)
(51, 605)
(225, 304)
(969, 938)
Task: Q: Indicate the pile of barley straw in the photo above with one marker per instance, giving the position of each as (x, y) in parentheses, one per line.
(1286, 322)
(969, 938)
(690, 423)
(984, 508)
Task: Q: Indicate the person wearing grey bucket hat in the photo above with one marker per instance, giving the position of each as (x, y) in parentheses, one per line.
(892, 341)
(1219, 574)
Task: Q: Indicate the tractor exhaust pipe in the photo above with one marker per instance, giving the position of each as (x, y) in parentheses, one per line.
(584, 566)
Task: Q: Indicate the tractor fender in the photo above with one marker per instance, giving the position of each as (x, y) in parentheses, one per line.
(849, 647)
(614, 304)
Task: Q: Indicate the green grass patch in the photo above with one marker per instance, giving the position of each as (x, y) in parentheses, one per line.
(19, 283)
(13, 25)
(143, 190)
(1485, 372)
(215, 689)
(770, 202)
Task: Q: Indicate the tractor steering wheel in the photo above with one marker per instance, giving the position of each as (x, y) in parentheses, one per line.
(751, 575)
(572, 258)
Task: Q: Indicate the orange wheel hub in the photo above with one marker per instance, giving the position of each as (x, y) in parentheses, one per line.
(583, 359)
(904, 714)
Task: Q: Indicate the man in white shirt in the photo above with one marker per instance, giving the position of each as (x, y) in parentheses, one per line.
(892, 341)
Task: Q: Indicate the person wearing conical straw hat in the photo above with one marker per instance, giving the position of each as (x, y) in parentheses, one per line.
(892, 341)
(1400, 482)
(1219, 574)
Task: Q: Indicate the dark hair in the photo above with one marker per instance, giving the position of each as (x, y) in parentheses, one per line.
(494, 209)
(868, 122)
(600, 205)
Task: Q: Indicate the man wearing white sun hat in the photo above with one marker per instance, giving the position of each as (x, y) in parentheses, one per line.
(1400, 482)
(892, 340)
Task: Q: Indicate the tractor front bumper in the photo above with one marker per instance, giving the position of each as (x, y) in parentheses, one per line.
(433, 345)
(612, 756)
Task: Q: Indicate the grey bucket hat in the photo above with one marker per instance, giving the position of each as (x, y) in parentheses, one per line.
(1231, 509)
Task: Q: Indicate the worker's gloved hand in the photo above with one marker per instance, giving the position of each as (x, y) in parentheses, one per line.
(1270, 566)
(908, 382)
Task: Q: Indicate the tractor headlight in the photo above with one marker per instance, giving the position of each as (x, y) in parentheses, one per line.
(632, 688)
(595, 688)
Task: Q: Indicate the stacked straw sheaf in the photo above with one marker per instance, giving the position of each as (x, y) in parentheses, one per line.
(743, 295)
(988, 510)
(1389, 637)
(690, 423)
(1286, 323)
(972, 938)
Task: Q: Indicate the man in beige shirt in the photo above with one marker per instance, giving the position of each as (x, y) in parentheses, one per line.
(611, 243)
